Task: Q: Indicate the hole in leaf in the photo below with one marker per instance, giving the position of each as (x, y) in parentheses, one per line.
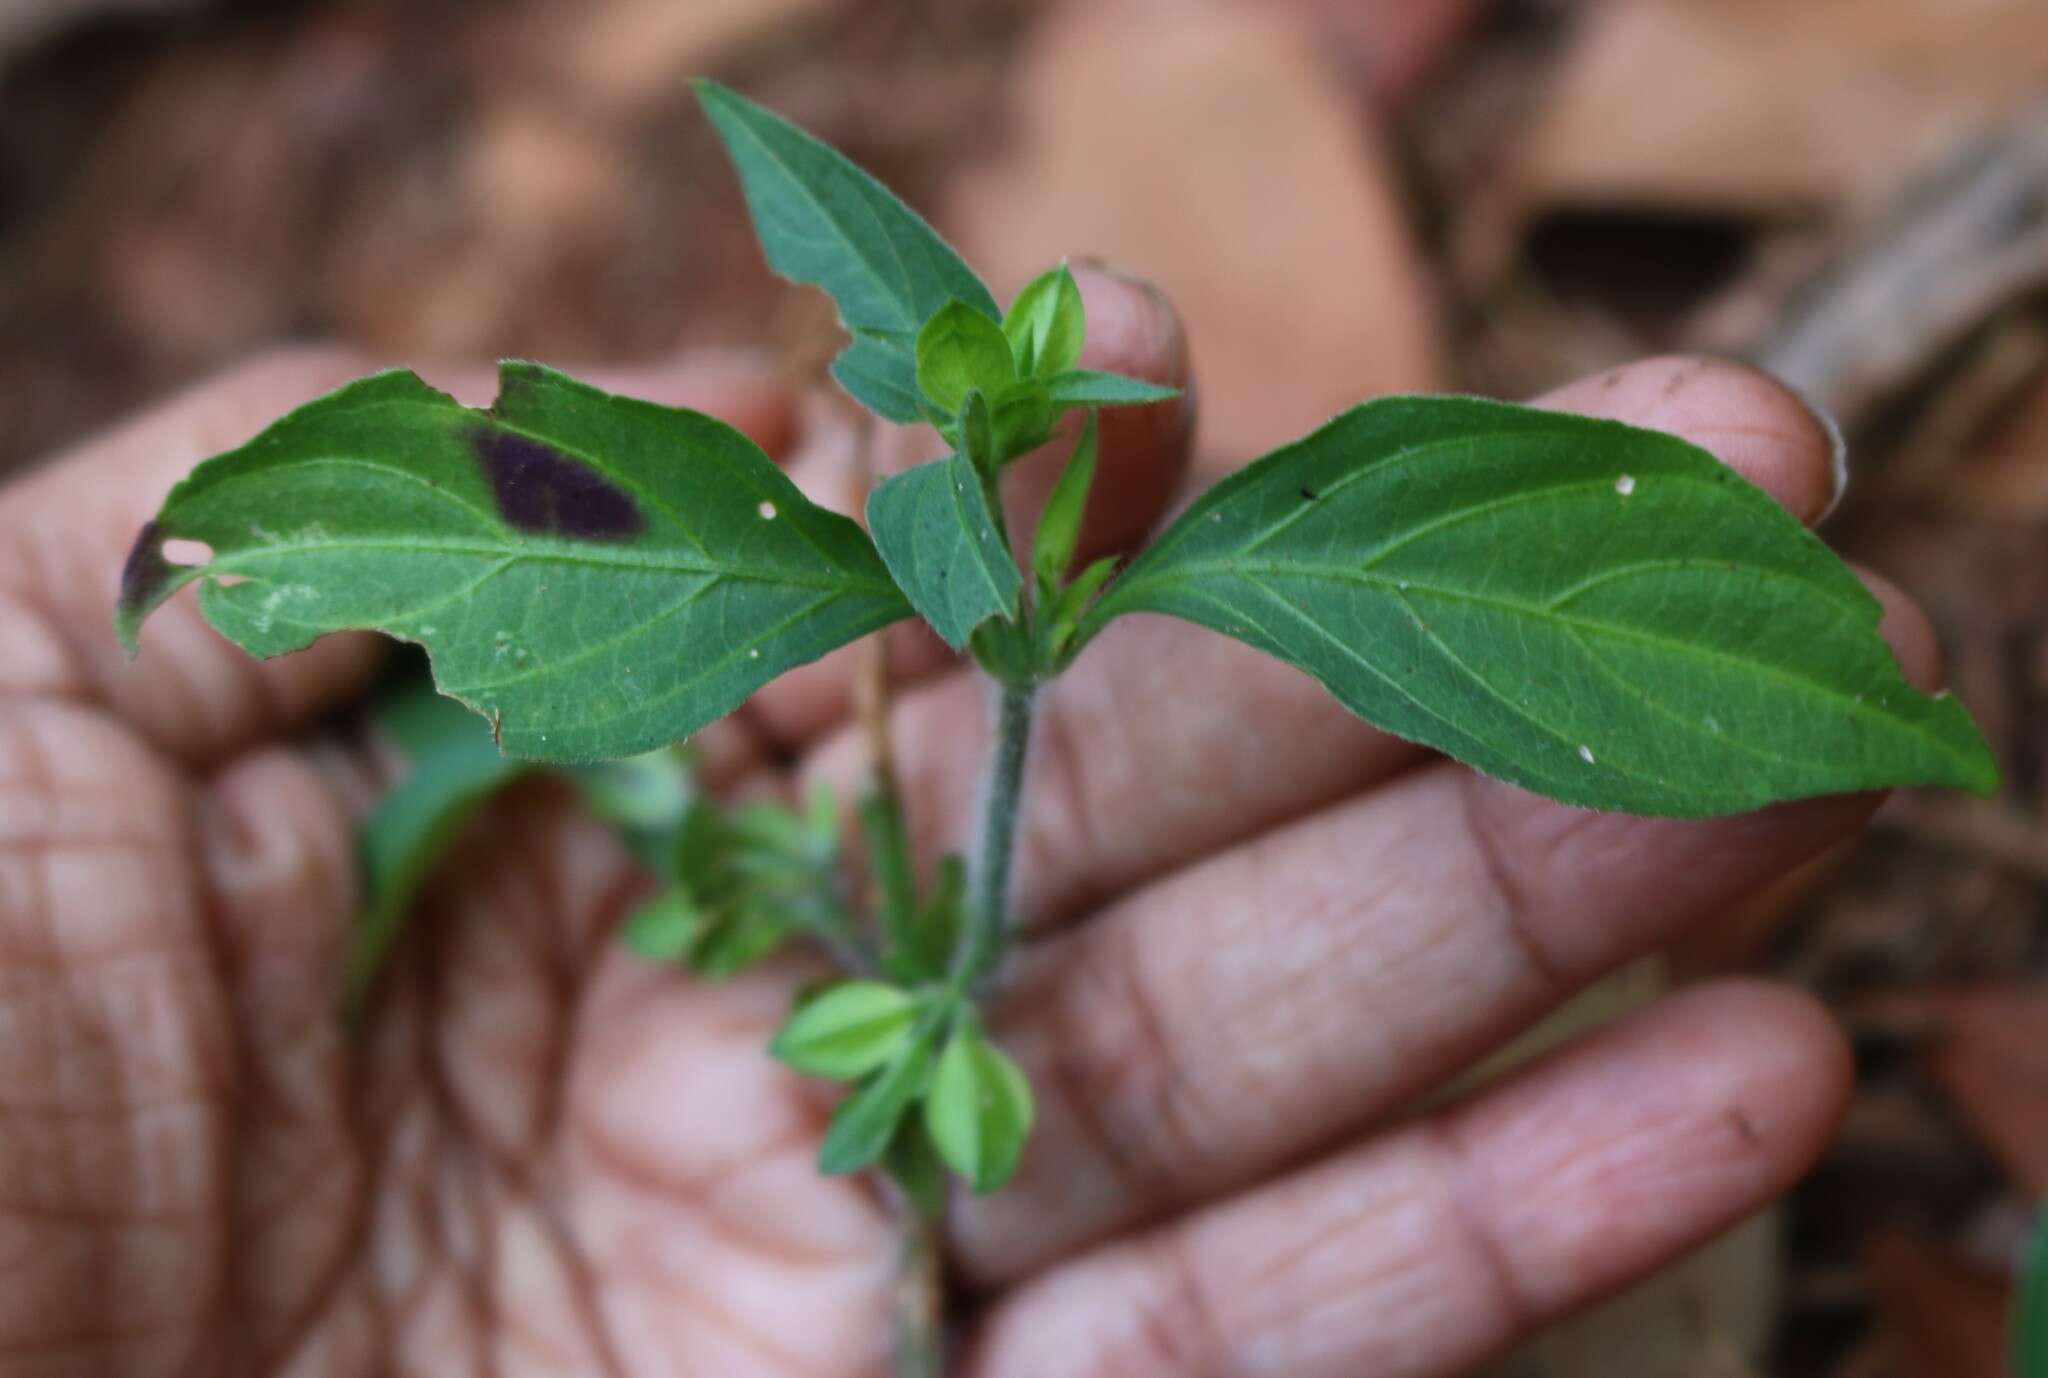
(179, 551)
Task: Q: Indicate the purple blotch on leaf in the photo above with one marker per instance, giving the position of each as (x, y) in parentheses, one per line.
(146, 570)
(541, 491)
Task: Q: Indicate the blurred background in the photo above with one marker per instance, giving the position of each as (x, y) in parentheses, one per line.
(1344, 199)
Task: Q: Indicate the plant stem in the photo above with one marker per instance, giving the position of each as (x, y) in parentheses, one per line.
(920, 1295)
(988, 884)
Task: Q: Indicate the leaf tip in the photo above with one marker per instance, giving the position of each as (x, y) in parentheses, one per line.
(1980, 774)
(147, 579)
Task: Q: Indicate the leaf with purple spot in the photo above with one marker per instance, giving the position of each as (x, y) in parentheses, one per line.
(598, 576)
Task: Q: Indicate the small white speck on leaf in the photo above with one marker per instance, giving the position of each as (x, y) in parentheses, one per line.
(754, 653)
(1625, 485)
(1712, 723)
(1401, 584)
(767, 511)
(1586, 754)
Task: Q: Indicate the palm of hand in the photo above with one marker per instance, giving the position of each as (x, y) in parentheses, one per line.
(545, 1158)
(535, 1160)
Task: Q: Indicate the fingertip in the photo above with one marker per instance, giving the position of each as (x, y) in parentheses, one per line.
(1907, 631)
(1617, 1154)
(1742, 416)
(1780, 1065)
(1133, 330)
(1132, 327)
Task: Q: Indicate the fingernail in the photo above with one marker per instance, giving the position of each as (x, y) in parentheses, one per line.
(1838, 450)
(1095, 264)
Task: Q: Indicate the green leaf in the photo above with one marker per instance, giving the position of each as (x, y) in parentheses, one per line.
(744, 935)
(937, 529)
(888, 856)
(598, 576)
(646, 797)
(847, 1031)
(866, 1121)
(915, 1168)
(747, 880)
(1601, 614)
(1047, 324)
(1063, 619)
(1021, 420)
(823, 221)
(1059, 523)
(645, 793)
(452, 767)
(665, 927)
(2030, 1308)
(978, 1111)
(934, 929)
(1088, 388)
(961, 351)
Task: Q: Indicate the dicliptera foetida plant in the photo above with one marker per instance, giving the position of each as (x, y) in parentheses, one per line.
(1602, 614)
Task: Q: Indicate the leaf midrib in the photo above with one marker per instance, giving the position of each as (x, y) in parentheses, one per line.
(1576, 625)
(241, 562)
(491, 521)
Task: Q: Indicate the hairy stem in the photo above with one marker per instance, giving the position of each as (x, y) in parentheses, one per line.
(920, 1296)
(988, 884)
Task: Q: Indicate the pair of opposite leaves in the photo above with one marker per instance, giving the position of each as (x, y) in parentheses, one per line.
(1602, 614)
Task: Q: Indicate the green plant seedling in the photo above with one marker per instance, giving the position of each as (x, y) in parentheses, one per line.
(1601, 614)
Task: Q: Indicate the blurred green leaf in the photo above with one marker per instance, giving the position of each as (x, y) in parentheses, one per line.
(865, 1122)
(744, 881)
(914, 1166)
(1059, 523)
(846, 1031)
(978, 1110)
(452, 767)
(664, 928)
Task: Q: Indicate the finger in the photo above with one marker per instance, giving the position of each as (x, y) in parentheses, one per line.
(1438, 1246)
(65, 530)
(116, 1054)
(1132, 329)
(1747, 420)
(1166, 741)
(279, 850)
(1278, 996)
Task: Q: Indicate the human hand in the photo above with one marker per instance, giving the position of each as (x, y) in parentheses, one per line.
(1261, 933)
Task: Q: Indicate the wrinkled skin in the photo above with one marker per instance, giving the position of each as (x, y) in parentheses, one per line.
(1260, 935)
